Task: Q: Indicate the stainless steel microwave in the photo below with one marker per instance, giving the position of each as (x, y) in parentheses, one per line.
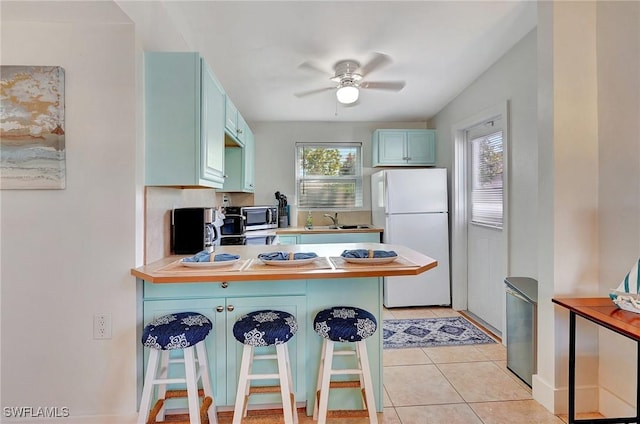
(260, 217)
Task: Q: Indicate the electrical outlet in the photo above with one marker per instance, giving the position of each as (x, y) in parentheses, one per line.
(102, 326)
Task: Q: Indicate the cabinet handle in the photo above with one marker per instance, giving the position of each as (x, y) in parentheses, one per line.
(239, 130)
(220, 308)
(224, 284)
(230, 308)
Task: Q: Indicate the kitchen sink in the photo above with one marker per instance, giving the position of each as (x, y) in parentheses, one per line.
(354, 226)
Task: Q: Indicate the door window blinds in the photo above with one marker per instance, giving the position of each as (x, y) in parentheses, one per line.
(487, 179)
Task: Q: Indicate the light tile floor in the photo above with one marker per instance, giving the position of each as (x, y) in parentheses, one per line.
(450, 385)
(456, 384)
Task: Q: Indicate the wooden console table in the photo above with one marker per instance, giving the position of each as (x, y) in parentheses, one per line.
(601, 311)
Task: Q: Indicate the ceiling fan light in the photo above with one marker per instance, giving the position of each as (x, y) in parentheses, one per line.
(348, 94)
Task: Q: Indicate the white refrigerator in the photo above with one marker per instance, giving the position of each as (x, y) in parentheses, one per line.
(411, 206)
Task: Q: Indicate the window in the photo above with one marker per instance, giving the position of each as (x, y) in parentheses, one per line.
(486, 179)
(329, 175)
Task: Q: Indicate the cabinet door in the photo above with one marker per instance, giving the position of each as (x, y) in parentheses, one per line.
(212, 134)
(231, 117)
(287, 240)
(421, 147)
(241, 129)
(337, 237)
(392, 147)
(295, 305)
(215, 341)
(248, 162)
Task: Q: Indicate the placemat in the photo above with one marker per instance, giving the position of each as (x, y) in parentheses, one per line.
(177, 266)
(401, 262)
(256, 264)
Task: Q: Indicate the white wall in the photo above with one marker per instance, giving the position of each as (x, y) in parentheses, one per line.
(511, 78)
(618, 46)
(275, 151)
(66, 254)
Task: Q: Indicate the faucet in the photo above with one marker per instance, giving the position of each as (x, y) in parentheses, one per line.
(334, 218)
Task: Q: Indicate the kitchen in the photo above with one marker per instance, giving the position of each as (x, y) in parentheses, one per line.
(99, 215)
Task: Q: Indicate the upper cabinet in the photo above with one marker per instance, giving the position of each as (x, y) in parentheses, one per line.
(184, 121)
(235, 125)
(240, 165)
(404, 148)
(239, 152)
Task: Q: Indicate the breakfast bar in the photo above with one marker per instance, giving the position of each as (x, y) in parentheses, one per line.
(226, 292)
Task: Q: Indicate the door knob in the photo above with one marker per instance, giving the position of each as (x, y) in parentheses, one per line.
(220, 308)
(230, 308)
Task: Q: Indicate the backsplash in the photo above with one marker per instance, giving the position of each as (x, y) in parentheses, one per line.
(160, 201)
(347, 217)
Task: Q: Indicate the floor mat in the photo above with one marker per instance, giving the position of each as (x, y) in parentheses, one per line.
(431, 332)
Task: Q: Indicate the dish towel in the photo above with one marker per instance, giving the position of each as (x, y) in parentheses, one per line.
(626, 296)
(205, 256)
(364, 253)
(285, 256)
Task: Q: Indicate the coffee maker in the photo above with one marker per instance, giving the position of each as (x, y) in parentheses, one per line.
(193, 230)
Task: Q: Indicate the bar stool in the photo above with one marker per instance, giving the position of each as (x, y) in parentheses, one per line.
(184, 331)
(344, 324)
(265, 328)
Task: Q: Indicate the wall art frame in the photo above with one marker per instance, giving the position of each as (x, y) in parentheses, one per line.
(32, 127)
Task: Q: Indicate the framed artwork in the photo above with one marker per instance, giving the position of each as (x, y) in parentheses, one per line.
(32, 131)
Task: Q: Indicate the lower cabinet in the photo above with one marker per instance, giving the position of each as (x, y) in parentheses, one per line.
(288, 239)
(225, 352)
(224, 303)
(359, 237)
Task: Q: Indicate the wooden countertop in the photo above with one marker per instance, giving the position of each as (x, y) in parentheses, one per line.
(324, 230)
(249, 268)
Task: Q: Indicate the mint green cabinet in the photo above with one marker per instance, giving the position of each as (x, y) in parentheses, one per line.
(287, 239)
(223, 303)
(235, 125)
(224, 351)
(231, 118)
(403, 148)
(338, 237)
(240, 164)
(184, 121)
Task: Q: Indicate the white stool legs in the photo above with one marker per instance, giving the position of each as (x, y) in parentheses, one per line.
(325, 371)
(196, 367)
(284, 376)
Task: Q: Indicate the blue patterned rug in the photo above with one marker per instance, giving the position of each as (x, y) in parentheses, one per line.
(431, 332)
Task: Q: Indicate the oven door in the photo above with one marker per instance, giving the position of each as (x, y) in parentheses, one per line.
(232, 225)
(260, 239)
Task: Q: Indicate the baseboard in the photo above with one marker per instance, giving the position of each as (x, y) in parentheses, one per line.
(612, 405)
(556, 400)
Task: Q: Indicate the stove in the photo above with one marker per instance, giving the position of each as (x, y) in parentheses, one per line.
(248, 239)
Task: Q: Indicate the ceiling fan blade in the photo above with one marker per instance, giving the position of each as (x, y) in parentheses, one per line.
(378, 61)
(383, 85)
(309, 92)
(310, 66)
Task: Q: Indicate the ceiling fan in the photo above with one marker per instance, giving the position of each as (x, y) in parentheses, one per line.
(349, 77)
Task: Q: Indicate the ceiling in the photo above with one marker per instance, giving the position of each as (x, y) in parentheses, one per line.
(255, 48)
(437, 47)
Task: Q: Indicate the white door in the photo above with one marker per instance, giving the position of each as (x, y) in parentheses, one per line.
(486, 253)
(428, 234)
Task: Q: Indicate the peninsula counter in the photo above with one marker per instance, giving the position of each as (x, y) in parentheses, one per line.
(224, 294)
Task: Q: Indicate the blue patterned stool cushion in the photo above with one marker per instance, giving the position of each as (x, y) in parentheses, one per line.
(176, 331)
(265, 328)
(345, 324)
